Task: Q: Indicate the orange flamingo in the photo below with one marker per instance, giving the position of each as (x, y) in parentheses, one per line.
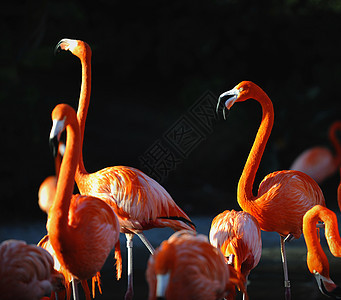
(187, 267)
(238, 236)
(139, 202)
(283, 196)
(26, 272)
(82, 229)
(47, 189)
(319, 162)
(316, 259)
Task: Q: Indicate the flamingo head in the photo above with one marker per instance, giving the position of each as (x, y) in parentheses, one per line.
(327, 286)
(62, 114)
(76, 47)
(241, 92)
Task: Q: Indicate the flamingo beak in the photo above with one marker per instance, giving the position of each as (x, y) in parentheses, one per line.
(162, 284)
(230, 101)
(65, 45)
(57, 128)
(327, 286)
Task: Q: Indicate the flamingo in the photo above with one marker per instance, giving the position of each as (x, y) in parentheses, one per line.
(238, 236)
(47, 189)
(139, 202)
(82, 229)
(316, 259)
(283, 196)
(319, 162)
(187, 267)
(26, 271)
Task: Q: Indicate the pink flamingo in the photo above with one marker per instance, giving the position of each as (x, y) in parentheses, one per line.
(319, 162)
(238, 236)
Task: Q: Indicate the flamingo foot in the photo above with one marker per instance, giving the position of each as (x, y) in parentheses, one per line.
(129, 294)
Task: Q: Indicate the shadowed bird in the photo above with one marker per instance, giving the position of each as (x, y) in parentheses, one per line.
(139, 202)
(319, 162)
(47, 189)
(187, 267)
(82, 229)
(238, 236)
(316, 259)
(284, 196)
(26, 272)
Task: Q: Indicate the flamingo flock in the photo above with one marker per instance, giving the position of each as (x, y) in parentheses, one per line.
(83, 229)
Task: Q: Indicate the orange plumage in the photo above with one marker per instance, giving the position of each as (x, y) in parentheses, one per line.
(139, 202)
(82, 229)
(186, 267)
(26, 272)
(238, 236)
(283, 197)
(319, 162)
(316, 259)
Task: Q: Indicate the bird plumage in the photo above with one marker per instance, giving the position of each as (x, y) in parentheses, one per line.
(185, 267)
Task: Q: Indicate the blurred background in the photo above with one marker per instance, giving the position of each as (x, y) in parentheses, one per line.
(151, 62)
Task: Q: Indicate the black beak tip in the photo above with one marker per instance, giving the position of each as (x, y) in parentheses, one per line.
(54, 146)
(58, 49)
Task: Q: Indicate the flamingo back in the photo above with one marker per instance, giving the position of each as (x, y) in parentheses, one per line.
(237, 233)
(283, 199)
(317, 162)
(139, 201)
(196, 269)
(26, 271)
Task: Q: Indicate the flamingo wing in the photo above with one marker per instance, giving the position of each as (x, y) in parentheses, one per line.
(138, 200)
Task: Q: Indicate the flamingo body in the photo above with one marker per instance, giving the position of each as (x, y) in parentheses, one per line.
(26, 271)
(284, 197)
(237, 233)
(139, 201)
(186, 267)
(319, 162)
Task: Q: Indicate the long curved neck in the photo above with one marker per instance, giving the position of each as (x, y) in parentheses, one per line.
(332, 231)
(334, 128)
(245, 185)
(59, 211)
(316, 259)
(83, 104)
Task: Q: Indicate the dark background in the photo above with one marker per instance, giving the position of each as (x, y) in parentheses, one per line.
(151, 61)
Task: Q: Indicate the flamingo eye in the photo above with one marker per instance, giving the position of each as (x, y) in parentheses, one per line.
(241, 89)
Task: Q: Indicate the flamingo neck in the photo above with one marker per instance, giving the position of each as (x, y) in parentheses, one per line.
(336, 126)
(331, 231)
(245, 185)
(316, 259)
(83, 105)
(59, 212)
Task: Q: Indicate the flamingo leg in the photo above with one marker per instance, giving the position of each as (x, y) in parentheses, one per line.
(74, 284)
(285, 266)
(146, 242)
(130, 289)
